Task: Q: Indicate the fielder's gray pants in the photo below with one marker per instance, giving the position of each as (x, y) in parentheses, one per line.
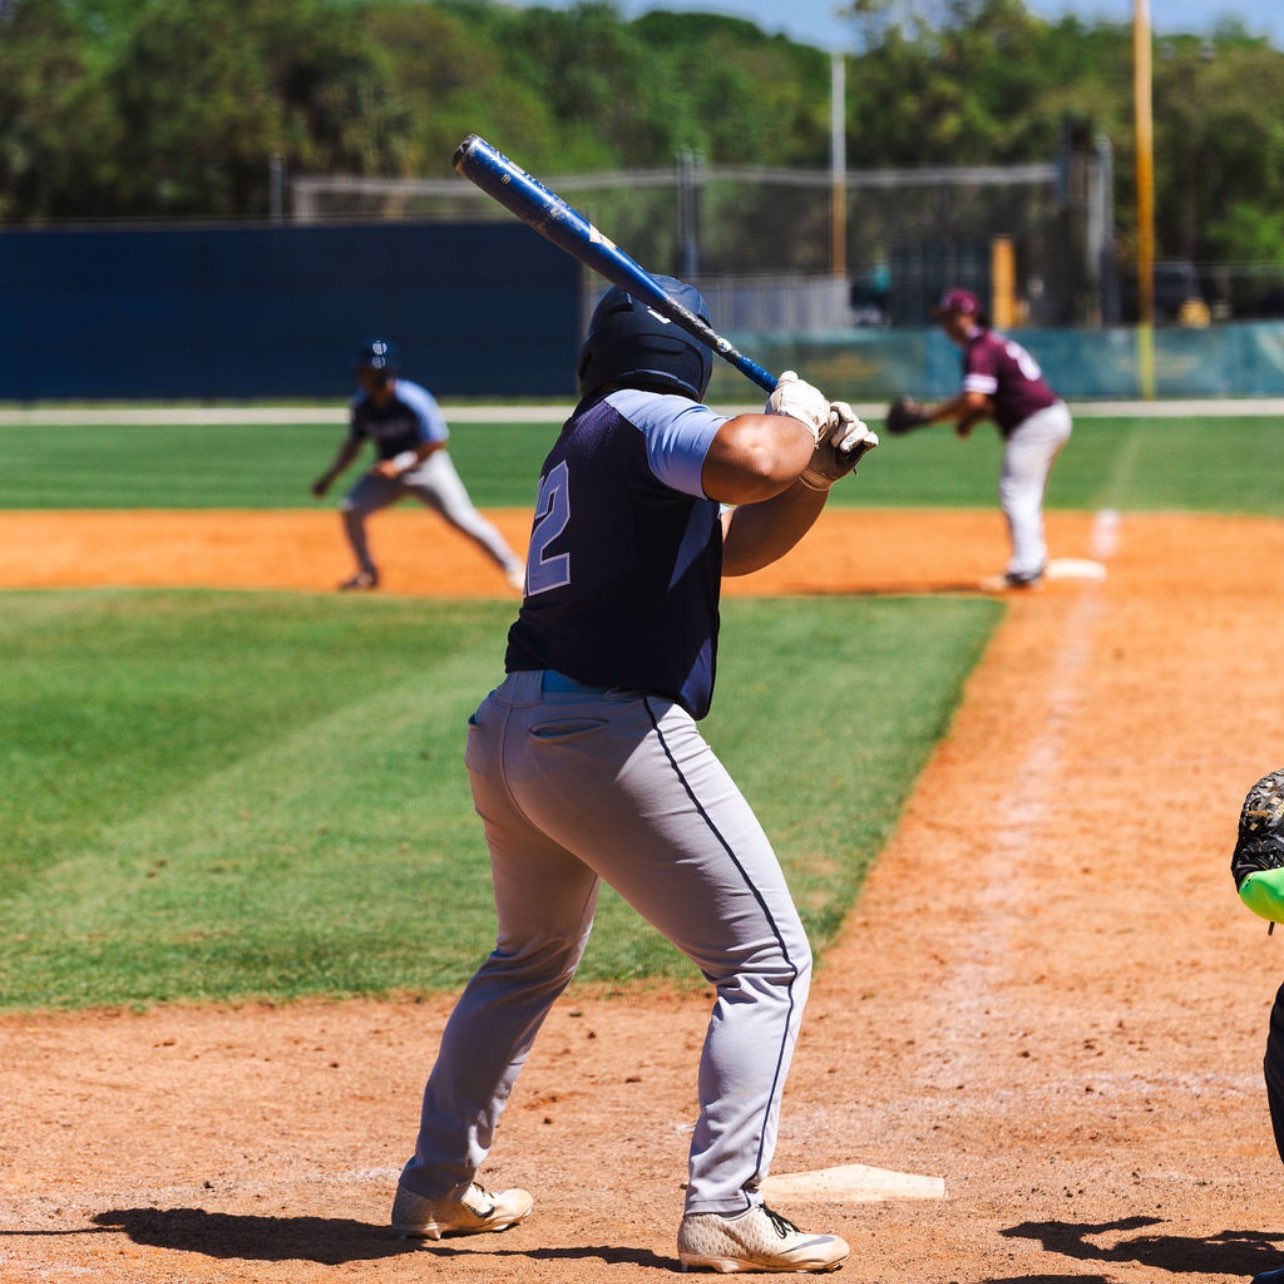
(622, 787)
(1028, 457)
(435, 483)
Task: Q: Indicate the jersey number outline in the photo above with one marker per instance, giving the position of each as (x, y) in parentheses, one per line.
(552, 514)
(1025, 362)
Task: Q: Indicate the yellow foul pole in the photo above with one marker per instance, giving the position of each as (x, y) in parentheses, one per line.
(1144, 134)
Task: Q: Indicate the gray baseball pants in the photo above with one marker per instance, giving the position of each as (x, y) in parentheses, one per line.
(574, 788)
(435, 483)
(1028, 456)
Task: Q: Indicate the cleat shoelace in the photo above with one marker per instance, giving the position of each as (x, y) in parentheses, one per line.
(784, 1227)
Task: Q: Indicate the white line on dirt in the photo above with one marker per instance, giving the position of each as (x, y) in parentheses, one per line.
(968, 994)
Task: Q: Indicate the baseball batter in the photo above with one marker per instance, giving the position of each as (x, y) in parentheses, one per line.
(587, 765)
(409, 433)
(1003, 382)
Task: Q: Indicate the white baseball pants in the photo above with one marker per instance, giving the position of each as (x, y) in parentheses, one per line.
(435, 483)
(618, 786)
(1028, 456)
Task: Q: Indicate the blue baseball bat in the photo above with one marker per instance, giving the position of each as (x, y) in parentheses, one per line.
(569, 230)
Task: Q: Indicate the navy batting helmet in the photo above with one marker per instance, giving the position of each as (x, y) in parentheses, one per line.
(378, 354)
(629, 344)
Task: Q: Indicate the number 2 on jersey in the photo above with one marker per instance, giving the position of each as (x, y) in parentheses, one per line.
(552, 512)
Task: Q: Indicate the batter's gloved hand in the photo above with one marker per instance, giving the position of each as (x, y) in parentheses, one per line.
(903, 415)
(1257, 863)
(799, 401)
(845, 440)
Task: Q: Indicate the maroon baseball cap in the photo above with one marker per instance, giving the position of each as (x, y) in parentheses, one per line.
(957, 301)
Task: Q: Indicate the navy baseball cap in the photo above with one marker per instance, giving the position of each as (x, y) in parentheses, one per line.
(963, 302)
(378, 354)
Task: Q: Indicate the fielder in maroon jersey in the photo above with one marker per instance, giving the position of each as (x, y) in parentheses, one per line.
(1003, 382)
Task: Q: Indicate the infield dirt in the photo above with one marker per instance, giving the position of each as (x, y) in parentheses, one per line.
(1048, 994)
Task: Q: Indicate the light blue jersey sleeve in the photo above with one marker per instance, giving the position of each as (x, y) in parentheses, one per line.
(431, 421)
(678, 434)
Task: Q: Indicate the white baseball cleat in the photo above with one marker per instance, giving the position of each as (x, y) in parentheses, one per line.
(757, 1240)
(474, 1212)
(516, 577)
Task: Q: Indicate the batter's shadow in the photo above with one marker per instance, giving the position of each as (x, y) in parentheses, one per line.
(328, 1241)
(1230, 1252)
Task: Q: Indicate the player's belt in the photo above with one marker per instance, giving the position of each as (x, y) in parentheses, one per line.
(554, 681)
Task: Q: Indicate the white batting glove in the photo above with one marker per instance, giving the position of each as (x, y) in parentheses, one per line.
(845, 439)
(799, 401)
(848, 429)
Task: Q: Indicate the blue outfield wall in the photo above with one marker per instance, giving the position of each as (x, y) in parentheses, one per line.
(1228, 360)
(236, 313)
(210, 313)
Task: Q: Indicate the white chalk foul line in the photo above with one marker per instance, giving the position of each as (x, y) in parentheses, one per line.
(967, 997)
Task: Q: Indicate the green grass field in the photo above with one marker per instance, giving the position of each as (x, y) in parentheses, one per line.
(219, 795)
(1148, 464)
(214, 795)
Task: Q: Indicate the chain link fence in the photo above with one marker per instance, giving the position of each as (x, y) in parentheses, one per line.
(762, 240)
(754, 234)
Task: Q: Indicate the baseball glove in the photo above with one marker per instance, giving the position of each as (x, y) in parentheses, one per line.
(904, 414)
(1257, 863)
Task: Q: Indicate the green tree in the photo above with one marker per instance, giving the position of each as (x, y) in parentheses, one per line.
(1219, 147)
(209, 90)
(57, 124)
(447, 71)
(129, 108)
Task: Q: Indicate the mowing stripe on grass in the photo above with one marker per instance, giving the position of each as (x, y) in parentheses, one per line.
(265, 794)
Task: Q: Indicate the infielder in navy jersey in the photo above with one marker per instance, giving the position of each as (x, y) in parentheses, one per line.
(1003, 382)
(409, 433)
(586, 766)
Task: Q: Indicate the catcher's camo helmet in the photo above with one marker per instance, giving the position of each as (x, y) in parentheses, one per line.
(1257, 863)
(630, 345)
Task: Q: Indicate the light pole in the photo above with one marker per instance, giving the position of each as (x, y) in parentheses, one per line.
(838, 164)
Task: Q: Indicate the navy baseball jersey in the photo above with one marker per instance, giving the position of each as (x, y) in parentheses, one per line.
(1006, 373)
(410, 418)
(625, 562)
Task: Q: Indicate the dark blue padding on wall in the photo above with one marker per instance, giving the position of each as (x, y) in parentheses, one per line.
(211, 313)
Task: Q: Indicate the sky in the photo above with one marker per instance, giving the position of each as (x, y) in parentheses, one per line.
(813, 21)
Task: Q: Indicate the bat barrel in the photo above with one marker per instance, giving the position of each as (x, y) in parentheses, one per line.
(544, 211)
(523, 195)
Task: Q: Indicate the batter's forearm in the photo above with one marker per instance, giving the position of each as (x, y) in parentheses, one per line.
(756, 535)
